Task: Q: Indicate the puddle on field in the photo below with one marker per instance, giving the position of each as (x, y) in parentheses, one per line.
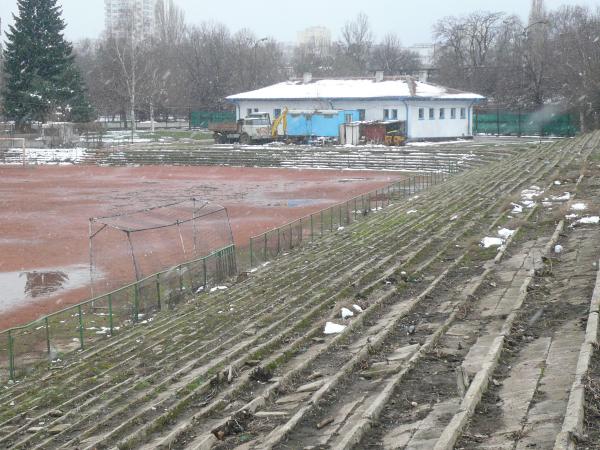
(15, 287)
(298, 202)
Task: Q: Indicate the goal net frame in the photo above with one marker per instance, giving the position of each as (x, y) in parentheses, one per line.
(150, 220)
(23, 148)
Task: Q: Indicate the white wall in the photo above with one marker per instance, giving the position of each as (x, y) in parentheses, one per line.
(439, 128)
(417, 129)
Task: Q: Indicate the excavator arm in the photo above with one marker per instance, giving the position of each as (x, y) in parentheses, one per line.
(282, 119)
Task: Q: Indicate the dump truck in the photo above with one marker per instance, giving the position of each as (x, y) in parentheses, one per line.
(255, 128)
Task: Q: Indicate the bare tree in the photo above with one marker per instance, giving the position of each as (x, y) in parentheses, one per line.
(354, 47)
(390, 57)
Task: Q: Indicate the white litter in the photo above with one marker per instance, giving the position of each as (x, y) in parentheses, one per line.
(557, 183)
(572, 216)
(558, 249)
(346, 313)
(488, 242)
(412, 211)
(593, 220)
(453, 218)
(579, 207)
(505, 233)
(562, 198)
(219, 288)
(341, 229)
(200, 289)
(357, 308)
(517, 209)
(333, 328)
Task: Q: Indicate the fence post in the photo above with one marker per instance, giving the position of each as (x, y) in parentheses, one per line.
(278, 241)
(251, 255)
(311, 227)
(110, 314)
(158, 291)
(47, 334)
(301, 237)
(80, 313)
(354, 208)
(180, 272)
(205, 273)
(11, 356)
(331, 219)
(322, 224)
(265, 249)
(136, 303)
(341, 218)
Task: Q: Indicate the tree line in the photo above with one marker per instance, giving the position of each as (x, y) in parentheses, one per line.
(554, 58)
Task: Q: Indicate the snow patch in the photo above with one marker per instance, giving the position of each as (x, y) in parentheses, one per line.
(488, 242)
(505, 233)
(590, 220)
(333, 328)
(578, 207)
(357, 308)
(562, 198)
(346, 313)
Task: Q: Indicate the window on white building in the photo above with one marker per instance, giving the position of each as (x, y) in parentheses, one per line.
(386, 114)
(442, 113)
(453, 113)
(421, 113)
(431, 113)
(394, 114)
(463, 113)
(249, 111)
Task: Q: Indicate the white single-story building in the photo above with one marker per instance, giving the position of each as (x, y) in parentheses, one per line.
(430, 111)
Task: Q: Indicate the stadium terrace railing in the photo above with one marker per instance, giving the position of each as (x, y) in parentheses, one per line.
(76, 327)
(267, 246)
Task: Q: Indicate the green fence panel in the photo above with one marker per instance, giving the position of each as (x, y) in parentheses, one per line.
(525, 123)
(201, 119)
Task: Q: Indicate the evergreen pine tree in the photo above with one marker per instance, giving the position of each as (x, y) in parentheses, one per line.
(42, 81)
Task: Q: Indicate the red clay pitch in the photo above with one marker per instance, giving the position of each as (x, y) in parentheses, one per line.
(45, 212)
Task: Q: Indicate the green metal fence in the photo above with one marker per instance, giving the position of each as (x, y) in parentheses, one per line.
(268, 245)
(509, 123)
(78, 326)
(201, 119)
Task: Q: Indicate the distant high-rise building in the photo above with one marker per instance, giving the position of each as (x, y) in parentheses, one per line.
(123, 17)
(317, 36)
(538, 12)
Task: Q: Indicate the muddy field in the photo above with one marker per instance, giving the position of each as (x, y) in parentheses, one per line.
(45, 211)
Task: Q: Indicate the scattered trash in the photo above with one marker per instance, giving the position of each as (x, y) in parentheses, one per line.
(505, 233)
(557, 183)
(578, 207)
(562, 198)
(453, 218)
(590, 220)
(558, 249)
(572, 216)
(333, 328)
(517, 209)
(341, 229)
(357, 308)
(412, 211)
(488, 242)
(346, 313)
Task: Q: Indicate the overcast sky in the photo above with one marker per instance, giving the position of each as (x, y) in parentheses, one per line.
(412, 20)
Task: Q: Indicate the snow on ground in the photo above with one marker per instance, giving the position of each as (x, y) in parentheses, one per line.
(333, 328)
(46, 155)
(578, 207)
(488, 242)
(505, 233)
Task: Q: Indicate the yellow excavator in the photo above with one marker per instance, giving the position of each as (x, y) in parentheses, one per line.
(282, 119)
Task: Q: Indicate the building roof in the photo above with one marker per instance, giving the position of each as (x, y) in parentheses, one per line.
(348, 89)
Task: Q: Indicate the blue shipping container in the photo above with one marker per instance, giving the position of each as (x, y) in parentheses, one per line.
(318, 123)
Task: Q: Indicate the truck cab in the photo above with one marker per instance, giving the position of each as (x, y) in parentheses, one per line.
(254, 128)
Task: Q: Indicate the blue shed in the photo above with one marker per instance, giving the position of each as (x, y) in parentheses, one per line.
(318, 123)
